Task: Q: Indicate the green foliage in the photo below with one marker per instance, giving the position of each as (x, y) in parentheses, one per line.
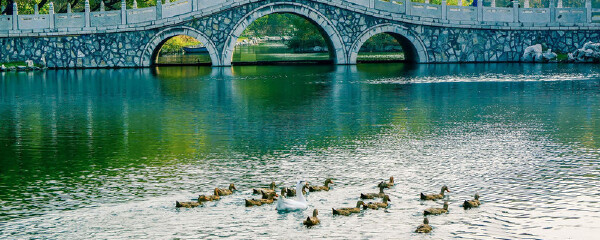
(378, 43)
(176, 44)
(271, 25)
(305, 35)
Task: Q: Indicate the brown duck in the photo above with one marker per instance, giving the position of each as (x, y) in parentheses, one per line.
(389, 184)
(378, 205)
(436, 211)
(381, 194)
(348, 211)
(291, 192)
(266, 199)
(312, 221)
(225, 192)
(472, 203)
(208, 198)
(435, 196)
(424, 228)
(187, 204)
(271, 189)
(321, 188)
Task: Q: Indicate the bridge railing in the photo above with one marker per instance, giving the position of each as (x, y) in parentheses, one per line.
(554, 15)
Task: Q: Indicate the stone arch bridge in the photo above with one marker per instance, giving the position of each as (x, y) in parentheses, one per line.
(428, 33)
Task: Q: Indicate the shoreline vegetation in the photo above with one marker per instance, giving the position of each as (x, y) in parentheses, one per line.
(21, 66)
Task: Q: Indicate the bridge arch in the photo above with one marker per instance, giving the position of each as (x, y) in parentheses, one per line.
(413, 47)
(153, 46)
(331, 34)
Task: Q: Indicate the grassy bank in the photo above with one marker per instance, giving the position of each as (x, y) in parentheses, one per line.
(13, 64)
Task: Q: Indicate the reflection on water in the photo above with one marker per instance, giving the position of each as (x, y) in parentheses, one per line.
(105, 153)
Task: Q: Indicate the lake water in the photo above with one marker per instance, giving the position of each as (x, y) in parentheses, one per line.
(105, 153)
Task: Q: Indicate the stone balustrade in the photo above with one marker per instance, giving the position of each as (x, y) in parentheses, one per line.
(399, 10)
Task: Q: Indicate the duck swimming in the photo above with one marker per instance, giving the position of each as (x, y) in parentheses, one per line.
(436, 211)
(424, 228)
(187, 204)
(389, 184)
(312, 221)
(208, 198)
(321, 188)
(472, 203)
(348, 211)
(291, 192)
(435, 196)
(381, 194)
(286, 204)
(266, 199)
(377, 205)
(268, 190)
(225, 192)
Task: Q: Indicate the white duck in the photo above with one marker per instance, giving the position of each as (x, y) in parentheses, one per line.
(284, 204)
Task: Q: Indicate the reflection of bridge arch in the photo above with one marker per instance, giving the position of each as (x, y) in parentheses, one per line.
(152, 49)
(329, 32)
(412, 46)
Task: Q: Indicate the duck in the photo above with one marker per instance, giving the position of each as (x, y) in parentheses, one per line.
(472, 203)
(370, 206)
(348, 211)
(389, 184)
(424, 228)
(321, 188)
(187, 204)
(268, 190)
(208, 198)
(286, 204)
(377, 205)
(225, 192)
(291, 192)
(381, 194)
(266, 199)
(312, 221)
(436, 211)
(435, 196)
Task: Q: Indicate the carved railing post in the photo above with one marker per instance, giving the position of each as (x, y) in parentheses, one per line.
(51, 14)
(552, 11)
(427, 1)
(87, 13)
(69, 8)
(158, 9)
(123, 12)
(526, 4)
(408, 7)
(479, 10)
(36, 10)
(560, 4)
(515, 4)
(134, 4)
(493, 3)
(444, 10)
(588, 10)
(194, 5)
(371, 3)
(102, 7)
(15, 17)
(459, 3)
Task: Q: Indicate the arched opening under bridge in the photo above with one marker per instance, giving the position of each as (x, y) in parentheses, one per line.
(301, 34)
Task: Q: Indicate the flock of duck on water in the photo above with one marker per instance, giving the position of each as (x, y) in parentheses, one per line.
(286, 203)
